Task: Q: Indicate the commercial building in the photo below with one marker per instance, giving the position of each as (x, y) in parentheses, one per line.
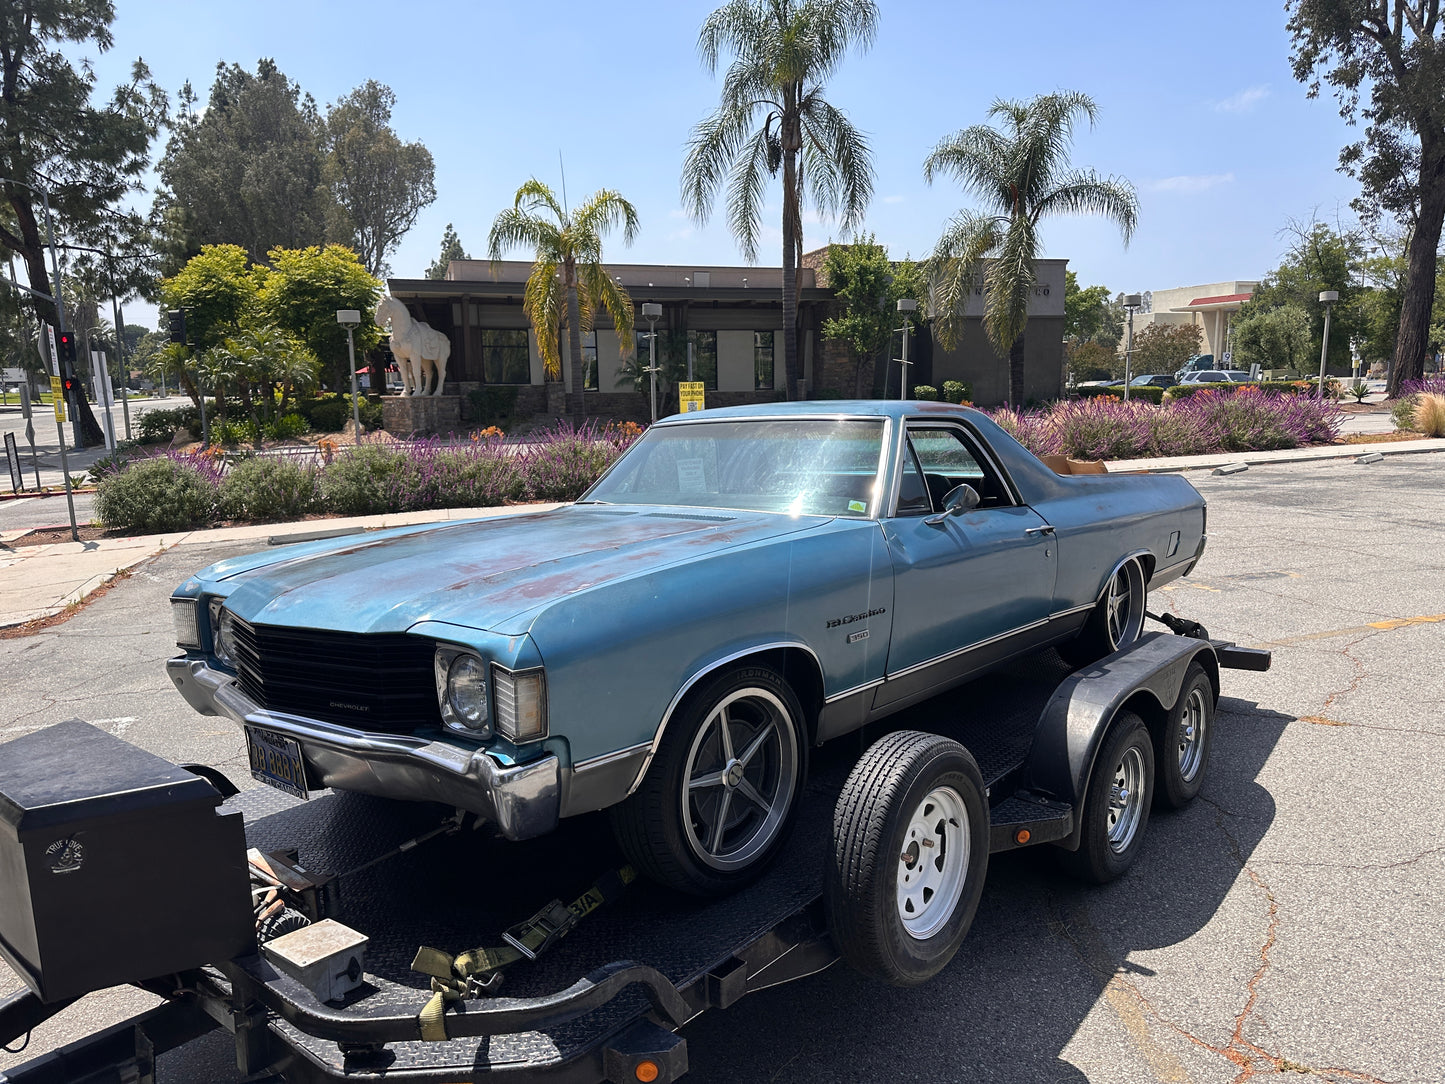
(731, 318)
(1210, 308)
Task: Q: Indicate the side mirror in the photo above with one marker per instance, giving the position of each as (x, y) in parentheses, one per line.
(958, 500)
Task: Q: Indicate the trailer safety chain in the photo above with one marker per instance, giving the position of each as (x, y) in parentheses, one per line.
(479, 971)
(1180, 626)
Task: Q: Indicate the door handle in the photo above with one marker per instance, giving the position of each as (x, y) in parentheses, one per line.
(1045, 529)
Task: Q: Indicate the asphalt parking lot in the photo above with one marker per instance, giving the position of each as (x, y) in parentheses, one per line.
(1288, 921)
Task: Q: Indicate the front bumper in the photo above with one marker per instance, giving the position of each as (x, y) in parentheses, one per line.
(522, 800)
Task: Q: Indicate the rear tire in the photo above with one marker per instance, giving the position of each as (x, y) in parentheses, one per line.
(1181, 747)
(909, 855)
(1116, 621)
(717, 803)
(1116, 804)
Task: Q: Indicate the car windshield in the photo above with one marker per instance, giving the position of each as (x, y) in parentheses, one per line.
(798, 466)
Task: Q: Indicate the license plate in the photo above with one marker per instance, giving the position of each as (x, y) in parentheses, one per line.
(276, 761)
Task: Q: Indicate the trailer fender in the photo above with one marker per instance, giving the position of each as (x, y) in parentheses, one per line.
(1146, 677)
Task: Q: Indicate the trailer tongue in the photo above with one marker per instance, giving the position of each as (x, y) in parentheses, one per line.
(590, 992)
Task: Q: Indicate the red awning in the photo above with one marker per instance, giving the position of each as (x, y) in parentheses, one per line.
(1222, 299)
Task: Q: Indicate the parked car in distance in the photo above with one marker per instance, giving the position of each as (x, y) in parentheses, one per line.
(1148, 380)
(1216, 376)
(741, 585)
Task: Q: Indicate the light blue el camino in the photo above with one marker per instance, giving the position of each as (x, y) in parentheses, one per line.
(741, 585)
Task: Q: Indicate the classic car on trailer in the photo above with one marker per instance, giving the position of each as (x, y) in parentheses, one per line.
(741, 585)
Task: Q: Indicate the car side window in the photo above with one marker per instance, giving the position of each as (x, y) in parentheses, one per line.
(913, 498)
(947, 459)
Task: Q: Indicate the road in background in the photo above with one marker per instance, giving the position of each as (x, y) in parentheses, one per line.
(1288, 920)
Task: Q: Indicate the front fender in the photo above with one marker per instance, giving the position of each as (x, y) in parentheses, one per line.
(1073, 723)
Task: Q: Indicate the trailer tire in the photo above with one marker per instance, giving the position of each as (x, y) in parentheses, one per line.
(1116, 804)
(707, 819)
(913, 810)
(1182, 744)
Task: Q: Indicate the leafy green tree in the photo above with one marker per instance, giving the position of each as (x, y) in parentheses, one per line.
(1019, 172)
(1320, 257)
(1394, 51)
(774, 119)
(1164, 348)
(216, 289)
(568, 283)
(1092, 361)
(1089, 314)
(301, 293)
(451, 250)
(866, 288)
(380, 184)
(246, 170)
(1275, 338)
(86, 156)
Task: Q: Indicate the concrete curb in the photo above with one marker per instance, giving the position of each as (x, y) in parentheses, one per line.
(1286, 455)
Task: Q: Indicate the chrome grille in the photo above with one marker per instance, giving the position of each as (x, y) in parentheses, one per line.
(380, 682)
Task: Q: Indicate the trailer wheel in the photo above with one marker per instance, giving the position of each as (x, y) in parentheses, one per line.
(1116, 804)
(1116, 621)
(910, 851)
(718, 800)
(1181, 746)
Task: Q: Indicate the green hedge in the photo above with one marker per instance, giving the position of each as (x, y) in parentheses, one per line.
(1285, 387)
(1145, 394)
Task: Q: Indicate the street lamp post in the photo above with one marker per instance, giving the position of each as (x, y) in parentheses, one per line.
(907, 306)
(349, 318)
(1131, 302)
(1329, 297)
(652, 312)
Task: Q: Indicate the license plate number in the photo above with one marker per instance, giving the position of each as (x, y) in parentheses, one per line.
(276, 761)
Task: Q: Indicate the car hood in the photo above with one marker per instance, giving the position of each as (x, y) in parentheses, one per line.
(480, 573)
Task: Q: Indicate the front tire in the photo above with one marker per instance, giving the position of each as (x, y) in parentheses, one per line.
(1117, 619)
(717, 803)
(1116, 804)
(910, 851)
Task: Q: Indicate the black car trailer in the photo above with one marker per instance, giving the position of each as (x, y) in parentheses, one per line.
(600, 995)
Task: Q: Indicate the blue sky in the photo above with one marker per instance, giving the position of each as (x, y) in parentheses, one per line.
(1197, 107)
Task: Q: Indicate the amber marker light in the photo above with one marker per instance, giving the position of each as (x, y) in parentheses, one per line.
(1023, 835)
(647, 1071)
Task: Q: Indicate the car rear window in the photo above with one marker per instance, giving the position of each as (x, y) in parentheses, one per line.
(799, 466)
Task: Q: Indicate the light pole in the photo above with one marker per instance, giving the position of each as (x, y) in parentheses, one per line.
(907, 306)
(1131, 302)
(349, 318)
(1329, 297)
(652, 312)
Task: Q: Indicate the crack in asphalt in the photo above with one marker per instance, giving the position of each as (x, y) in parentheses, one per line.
(1363, 867)
(1250, 1059)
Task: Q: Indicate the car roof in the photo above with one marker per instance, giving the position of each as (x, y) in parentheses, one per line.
(824, 408)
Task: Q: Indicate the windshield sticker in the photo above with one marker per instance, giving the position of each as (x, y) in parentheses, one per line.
(857, 506)
(691, 478)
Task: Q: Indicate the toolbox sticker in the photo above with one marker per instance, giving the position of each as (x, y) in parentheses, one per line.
(65, 855)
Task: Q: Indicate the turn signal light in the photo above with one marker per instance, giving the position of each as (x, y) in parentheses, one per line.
(647, 1071)
(1022, 836)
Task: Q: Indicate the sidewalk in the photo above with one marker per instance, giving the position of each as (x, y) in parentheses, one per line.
(37, 582)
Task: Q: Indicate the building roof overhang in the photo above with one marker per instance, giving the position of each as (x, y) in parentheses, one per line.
(456, 289)
(1204, 304)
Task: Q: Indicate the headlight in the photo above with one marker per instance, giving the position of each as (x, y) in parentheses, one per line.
(183, 613)
(461, 680)
(521, 703)
(223, 632)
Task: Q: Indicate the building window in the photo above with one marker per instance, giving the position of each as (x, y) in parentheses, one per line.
(505, 357)
(589, 361)
(704, 358)
(763, 360)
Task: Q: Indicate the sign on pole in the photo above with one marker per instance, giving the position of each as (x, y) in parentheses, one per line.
(690, 395)
(57, 395)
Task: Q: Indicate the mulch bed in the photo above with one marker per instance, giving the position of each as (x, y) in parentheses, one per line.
(43, 536)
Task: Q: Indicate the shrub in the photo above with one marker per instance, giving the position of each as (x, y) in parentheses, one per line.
(1143, 394)
(360, 481)
(110, 464)
(490, 404)
(160, 425)
(1101, 428)
(371, 413)
(1429, 413)
(286, 427)
(957, 391)
(1402, 411)
(564, 461)
(233, 432)
(162, 494)
(264, 488)
(327, 415)
(1433, 384)
(475, 475)
(1247, 421)
(925, 392)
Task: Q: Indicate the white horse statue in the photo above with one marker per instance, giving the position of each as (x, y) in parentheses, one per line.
(420, 350)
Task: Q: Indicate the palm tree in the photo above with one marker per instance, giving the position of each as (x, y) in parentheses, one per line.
(567, 271)
(1020, 173)
(772, 117)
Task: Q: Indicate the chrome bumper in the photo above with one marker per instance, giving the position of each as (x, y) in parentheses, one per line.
(523, 801)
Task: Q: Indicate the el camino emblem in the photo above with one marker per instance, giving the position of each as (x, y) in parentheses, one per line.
(833, 623)
(348, 707)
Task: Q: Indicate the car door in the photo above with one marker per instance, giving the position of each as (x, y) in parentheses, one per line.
(967, 588)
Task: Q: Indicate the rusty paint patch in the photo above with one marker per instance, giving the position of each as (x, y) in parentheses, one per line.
(1320, 720)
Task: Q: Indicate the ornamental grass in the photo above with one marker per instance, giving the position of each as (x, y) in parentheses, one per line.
(1429, 416)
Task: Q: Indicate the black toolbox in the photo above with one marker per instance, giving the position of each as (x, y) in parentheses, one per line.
(115, 865)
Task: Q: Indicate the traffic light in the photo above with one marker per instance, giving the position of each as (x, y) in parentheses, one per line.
(65, 343)
(72, 385)
(176, 320)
